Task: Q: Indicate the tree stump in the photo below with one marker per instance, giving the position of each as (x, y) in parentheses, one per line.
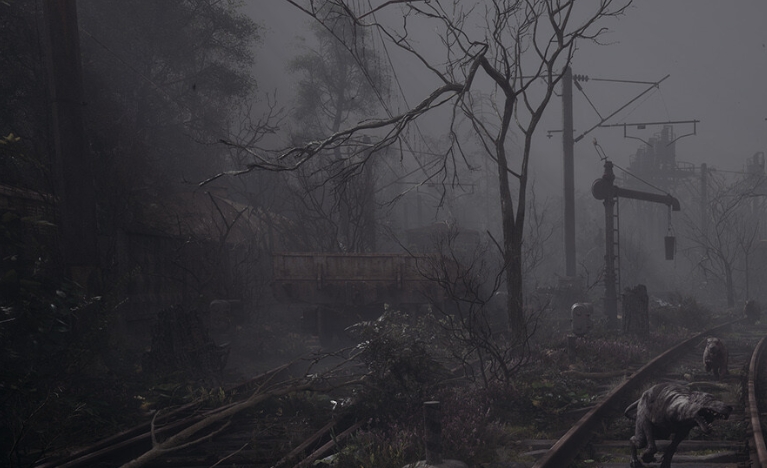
(752, 311)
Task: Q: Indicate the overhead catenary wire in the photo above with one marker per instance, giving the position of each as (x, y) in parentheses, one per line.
(663, 100)
(641, 180)
(603, 156)
(630, 111)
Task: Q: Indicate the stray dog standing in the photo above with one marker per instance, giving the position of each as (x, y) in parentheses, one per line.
(715, 357)
(666, 409)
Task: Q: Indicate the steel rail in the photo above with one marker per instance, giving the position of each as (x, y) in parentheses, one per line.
(564, 451)
(753, 404)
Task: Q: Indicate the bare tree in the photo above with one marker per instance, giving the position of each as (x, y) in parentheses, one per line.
(500, 65)
(341, 80)
(722, 246)
(468, 310)
(539, 231)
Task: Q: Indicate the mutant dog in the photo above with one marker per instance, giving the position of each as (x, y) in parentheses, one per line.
(715, 357)
(666, 409)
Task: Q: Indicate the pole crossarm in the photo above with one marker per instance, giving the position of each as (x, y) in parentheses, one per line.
(644, 124)
(601, 122)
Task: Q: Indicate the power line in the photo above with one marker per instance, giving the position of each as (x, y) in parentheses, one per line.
(641, 179)
(404, 98)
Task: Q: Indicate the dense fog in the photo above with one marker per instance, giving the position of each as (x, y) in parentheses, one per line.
(259, 178)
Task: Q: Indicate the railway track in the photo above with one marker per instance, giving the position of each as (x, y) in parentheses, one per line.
(252, 434)
(601, 437)
(598, 439)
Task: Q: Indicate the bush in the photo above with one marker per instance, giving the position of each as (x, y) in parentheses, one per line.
(389, 447)
(55, 388)
(470, 430)
(469, 433)
(400, 360)
(682, 311)
(604, 353)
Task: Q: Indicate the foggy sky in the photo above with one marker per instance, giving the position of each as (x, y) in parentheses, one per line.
(715, 54)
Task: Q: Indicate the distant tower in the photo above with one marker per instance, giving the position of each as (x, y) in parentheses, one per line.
(652, 168)
(655, 162)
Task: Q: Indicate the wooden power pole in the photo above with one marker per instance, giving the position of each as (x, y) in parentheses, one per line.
(568, 145)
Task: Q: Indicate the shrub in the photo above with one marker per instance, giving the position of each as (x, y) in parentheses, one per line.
(469, 428)
(683, 311)
(401, 364)
(604, 353)
(390, 447)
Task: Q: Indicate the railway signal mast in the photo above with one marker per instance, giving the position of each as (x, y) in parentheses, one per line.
(605, 189)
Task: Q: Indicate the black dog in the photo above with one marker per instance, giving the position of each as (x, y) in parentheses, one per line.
(667, 409)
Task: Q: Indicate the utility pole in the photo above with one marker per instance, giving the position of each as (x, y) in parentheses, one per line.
(568, 145)
(72, 162)
(704, 199)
